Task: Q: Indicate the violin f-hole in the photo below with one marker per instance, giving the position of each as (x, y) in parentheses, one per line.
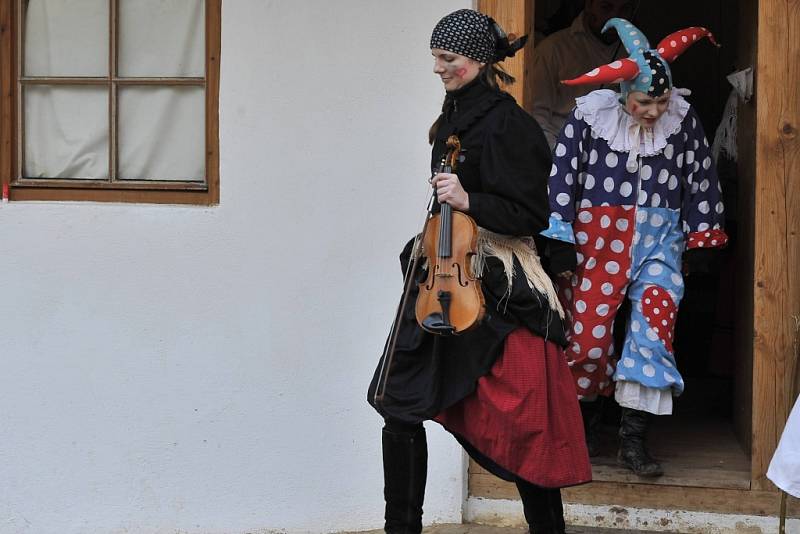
(463, 278)
(432, 279)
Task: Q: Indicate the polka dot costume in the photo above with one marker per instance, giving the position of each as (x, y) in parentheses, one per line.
(647, 356)
(630, 228)
(655, 291)
(603, 238)
(660, 311)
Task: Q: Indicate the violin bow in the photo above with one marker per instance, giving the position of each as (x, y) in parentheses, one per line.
(454, 148)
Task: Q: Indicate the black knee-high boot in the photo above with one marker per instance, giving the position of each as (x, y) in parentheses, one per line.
(591, 414)
(543, 509)
(405, 470)
(632, 450)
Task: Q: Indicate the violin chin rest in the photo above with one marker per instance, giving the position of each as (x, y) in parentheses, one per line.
(434, 323)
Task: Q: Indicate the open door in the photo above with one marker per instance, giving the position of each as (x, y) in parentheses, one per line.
(736, 342)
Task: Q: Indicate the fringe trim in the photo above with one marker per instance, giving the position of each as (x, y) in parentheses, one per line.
(505, 248)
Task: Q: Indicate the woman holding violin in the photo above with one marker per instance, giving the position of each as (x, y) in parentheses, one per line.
(477, 344)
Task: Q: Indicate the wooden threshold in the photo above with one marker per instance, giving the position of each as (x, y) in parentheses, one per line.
(642, 495)
(701, 453)
(706, 470)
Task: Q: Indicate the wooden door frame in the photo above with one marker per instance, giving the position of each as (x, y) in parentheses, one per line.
(515, 16)
(777, 228)
(772, 305)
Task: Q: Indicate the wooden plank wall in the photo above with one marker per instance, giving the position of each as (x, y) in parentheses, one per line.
(777, 223)
(515, 16)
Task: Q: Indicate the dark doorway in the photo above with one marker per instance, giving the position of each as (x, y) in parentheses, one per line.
(699, 443)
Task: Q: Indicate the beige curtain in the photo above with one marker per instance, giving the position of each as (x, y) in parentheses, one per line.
(161, 130)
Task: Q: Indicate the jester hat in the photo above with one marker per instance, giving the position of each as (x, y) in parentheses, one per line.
(647, 69)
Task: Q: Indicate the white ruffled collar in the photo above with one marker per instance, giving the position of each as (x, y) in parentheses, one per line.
(608, 119)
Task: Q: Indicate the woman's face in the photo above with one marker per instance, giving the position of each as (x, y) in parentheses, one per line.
(645, 109)
(455, 70)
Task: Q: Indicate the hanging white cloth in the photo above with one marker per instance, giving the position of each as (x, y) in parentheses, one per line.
(784, 469)
(725, 136)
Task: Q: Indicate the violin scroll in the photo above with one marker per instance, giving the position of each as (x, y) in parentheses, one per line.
(454, 149)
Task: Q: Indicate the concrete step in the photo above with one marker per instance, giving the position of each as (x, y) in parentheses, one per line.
(485, 529)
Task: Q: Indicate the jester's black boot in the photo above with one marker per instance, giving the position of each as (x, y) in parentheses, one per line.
(632, 452)
(405, 469)
(543, 509)
(591, 413)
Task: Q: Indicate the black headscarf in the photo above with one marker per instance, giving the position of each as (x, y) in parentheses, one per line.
(472, 34)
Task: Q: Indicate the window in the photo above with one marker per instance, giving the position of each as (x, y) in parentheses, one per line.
(110, 100)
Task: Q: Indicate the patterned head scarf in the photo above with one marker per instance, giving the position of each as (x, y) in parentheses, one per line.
(647, 69)
(477, 36)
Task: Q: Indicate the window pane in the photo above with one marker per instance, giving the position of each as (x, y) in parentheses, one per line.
(66, 132)
(66, 38)
(162, 38)
(162, 133)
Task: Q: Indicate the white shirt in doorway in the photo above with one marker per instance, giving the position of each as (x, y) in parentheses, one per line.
(784, 469)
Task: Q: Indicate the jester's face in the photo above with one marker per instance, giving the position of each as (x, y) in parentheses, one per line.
(645, 109)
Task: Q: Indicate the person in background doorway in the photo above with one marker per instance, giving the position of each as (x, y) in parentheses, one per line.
(633, 185)
(568, 53)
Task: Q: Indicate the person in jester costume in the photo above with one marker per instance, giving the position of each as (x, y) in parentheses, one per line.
(632, 187)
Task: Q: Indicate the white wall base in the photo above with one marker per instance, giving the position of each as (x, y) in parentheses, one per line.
(501, 512)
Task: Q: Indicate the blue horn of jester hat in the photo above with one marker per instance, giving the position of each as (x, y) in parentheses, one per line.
(647, 69)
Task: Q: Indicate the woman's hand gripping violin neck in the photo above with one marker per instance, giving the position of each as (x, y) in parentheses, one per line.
(449, 190)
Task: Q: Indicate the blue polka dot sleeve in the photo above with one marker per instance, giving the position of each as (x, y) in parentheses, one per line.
(561, 187)
(702, 211)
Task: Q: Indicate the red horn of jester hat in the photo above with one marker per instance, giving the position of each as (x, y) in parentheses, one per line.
(675, 44)
(615, 72)
(646, 70)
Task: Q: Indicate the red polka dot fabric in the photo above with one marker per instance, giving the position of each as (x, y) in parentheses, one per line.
(675, 44)
(707, 239)
(660, 311)
(615, 72)
(603, 236)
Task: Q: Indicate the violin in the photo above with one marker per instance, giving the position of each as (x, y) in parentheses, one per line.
(450, 300)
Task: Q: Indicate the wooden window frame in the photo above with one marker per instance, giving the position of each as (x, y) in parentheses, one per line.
(20, 188)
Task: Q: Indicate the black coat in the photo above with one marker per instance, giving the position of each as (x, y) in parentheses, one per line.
(504, 167)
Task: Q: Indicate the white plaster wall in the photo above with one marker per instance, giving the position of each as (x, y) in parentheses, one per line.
(179, 369)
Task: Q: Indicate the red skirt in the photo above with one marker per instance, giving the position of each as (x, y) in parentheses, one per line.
(524, 415)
